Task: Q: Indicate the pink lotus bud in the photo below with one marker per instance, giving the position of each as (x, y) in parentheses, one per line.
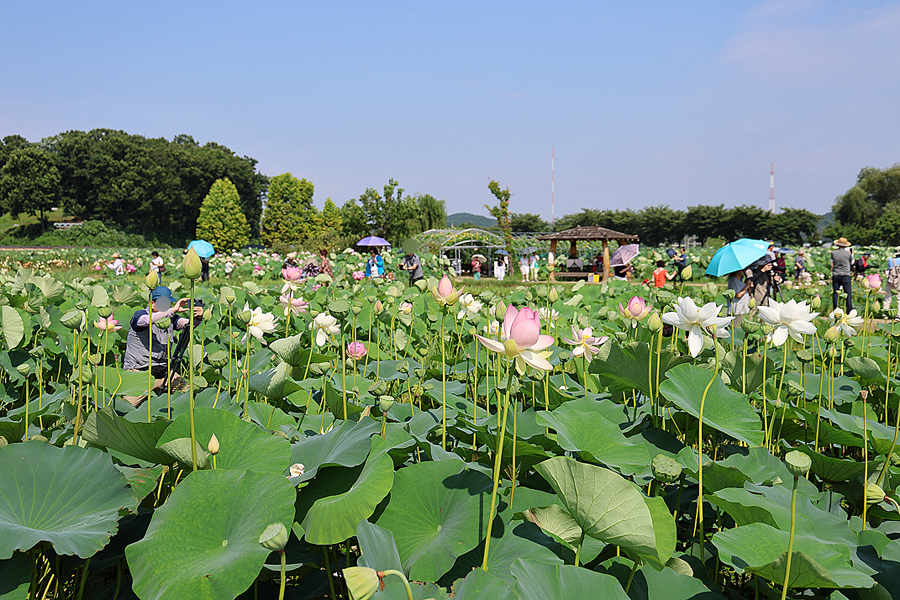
(291, 273)
(873, 281)
(356, 350)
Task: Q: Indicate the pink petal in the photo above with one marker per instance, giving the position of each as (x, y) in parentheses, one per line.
(525, 330)
(508, 319)
(445, 288)
(492, 344)
(544, 342)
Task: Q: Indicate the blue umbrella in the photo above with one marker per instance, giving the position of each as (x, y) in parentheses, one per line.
(203, 248)
(373, 241)
(736, 256)
(501, 251)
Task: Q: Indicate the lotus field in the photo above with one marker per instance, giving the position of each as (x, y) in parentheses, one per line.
(344, 438)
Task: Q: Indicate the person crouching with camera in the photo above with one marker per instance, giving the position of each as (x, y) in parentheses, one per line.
(137, 348)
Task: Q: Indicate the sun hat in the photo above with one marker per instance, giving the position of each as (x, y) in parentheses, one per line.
(116, 255)
(842, 242)
(161, 291)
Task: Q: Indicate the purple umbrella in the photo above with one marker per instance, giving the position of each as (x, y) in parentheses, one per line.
(373, 241)
(624, 255)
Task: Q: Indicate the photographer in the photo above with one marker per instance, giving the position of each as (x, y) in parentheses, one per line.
(765, 281)
(138, 342)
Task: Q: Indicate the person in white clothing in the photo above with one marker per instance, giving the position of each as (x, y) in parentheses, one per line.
(524, 264)
(157, 265)
(117, 265)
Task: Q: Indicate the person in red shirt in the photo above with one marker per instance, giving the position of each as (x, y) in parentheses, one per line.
(660, 275)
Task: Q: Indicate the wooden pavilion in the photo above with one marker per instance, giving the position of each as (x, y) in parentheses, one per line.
(591, 233)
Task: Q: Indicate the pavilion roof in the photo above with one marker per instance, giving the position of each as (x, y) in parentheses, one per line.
(590, 233)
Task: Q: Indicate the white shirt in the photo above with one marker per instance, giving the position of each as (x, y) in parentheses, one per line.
(156, 263)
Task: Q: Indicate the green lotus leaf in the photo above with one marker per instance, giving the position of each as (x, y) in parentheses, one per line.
(379, 550)
(346, 445)
(295, 351)
(204, 541)
(100, 297)
(105, 428)
(179, 450)
(437, 513)
(480, 584)
(12, 326)
(125, 294)
(725, 410)
(15, 577)
(270, 383)
(536, 580)
(70, 497)
(556, 520)
(865, 368)
(242, 445)
(628, 367)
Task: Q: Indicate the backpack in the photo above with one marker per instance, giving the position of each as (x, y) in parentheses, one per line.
(893, 274)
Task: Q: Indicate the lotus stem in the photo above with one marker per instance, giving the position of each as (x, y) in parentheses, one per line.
(344, 372)
(787, 566)
(887, 394)
(698, 521)
(190, 378)
(578, 550)
(84, 578)
(247, 375)
(864, 394)
(328, 571)
(444, 384)
(382, 574)
(150, 355)
(498, 459)
(283, 573)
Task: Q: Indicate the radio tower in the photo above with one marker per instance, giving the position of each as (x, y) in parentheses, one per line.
(772, 189)
(552, 207)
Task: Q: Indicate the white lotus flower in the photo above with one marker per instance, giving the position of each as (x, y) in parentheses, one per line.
(585, 342)
(324, 325)
(552, 315)
(492, 328)
(847, 323)
(695, 320)
(788, 318)
(468, 306)
(260, 323)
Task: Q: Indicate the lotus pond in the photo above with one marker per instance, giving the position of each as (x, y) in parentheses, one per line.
(339, 438)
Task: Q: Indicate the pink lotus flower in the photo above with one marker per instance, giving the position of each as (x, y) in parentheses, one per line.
(359, 275)
(293, 305)
(585, 342)
(445, 295)
(636, 310)
(131, 268)
(872, 282)
(97, 267)
(291, 273)
(521, 339)
(356, 350)
(109, 324)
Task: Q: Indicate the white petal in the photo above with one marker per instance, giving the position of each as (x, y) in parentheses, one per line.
(695, 340)
(779, 336)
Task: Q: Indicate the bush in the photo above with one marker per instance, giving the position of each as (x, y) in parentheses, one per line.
(94, 234)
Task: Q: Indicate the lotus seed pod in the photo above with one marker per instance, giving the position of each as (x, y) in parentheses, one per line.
(227, 295)
(687, 272)
(895, 460)
(244, 316)
(3, 441)
(804, 356)
(218, 359)
(749, 326)
(874, 494)
(797, 463)
(24, 369)
(275, 537)
(94, 358)
(554, 295)
(385, 403)
(655, 322)
(38, 438)
(73, 319)
(340, 308)
(152, 280)
(105, 311)
(191, 265)
(379, 388)
(665, 469)
(213, 445)
(362, 582)
(81, 304)
(356, 308)
(831, 335)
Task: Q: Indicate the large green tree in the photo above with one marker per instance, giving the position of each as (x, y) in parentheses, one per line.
(29, 182)
(390, 216)
(526, 222)
(222, 222)
(431, 213)
(290, 216)
(501, 212)
(864, 213)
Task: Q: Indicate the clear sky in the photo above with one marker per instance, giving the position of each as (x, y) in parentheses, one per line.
(644, 103)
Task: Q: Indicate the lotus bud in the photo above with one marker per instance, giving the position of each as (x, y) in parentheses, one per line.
(152, 280)
(832, 352)
(553, 295)
(831, 335)
(191, 265)
(105, 311)
(81, 304)
(275, 537)
(73, 319)
(798, 463)
(164, 323)
(778, 403)
(213, 445)
(297, 469)
(655, 322)
(665, 469)
(362, 582)
(687, 272)
(207, 314)
(752, 303)
(816, 302)
(749, 326)
(874, 494)
(244, 316)
(876, 306)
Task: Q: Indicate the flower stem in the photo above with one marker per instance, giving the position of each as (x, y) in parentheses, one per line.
(402, 577)
(498, 459)
(190, 378)
(787, 565)
(283, 575)
(444, 385)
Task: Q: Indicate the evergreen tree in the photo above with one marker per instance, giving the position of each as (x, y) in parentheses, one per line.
(221, 222)
(331, 215)
(290, 217)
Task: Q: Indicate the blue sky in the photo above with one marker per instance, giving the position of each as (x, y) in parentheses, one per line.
(644, 103)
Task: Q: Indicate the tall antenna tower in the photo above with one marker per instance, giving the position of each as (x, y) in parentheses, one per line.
(552, 206)
(772, 189)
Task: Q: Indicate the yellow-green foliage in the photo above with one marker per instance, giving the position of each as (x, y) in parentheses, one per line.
(221, 221)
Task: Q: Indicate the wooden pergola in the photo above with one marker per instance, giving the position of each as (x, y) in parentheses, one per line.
(592, 233)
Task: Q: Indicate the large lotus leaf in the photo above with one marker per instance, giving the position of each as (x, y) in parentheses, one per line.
(836, 470)
(346, 445)
(294, 351)
(204, 541)
(53, 289)
(123, 383)
(100, 296)
(341, 502)
(180, 450)
(629, 367)
(15, 577)
(106, 428)
(480, 584)
(12, 326)
(70, 497)
(716, 476)
(242, 445)
(845, 388)
(724, 410)
(593, 433)
(270, 383)
(437, 512)
(880, 437)
(865, 368)
(536, 580)
(605, 505)
(379, 550)
(556, 520)
(125, 294)
(744, 376)
(665, 584)
(762, 549)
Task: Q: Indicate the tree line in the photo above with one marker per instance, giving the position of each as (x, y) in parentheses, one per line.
(869, 212)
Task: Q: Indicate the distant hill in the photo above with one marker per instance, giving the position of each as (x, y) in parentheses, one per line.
(457, 219)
